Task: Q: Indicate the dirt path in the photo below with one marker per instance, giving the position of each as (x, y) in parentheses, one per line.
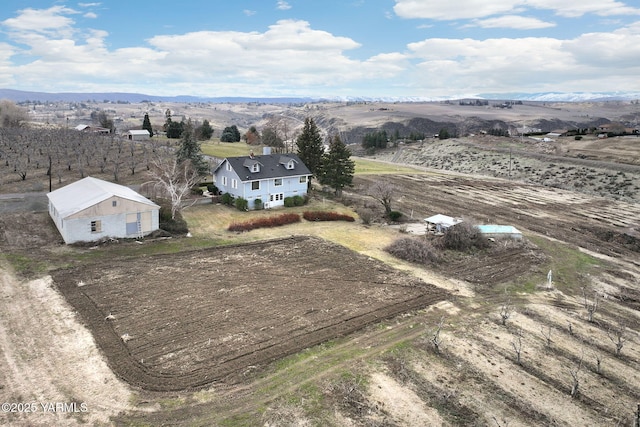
(47, 358)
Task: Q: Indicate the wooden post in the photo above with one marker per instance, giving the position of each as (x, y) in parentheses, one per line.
(637, 423)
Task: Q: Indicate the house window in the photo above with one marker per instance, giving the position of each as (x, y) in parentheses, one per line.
(303, 179)
(255, 185)
(255, 168)
(290, 165)
(228, 166)
(276, 197)
(234, 183)
(114, 203)
(277, 182)
(224, 181)
(96, 226)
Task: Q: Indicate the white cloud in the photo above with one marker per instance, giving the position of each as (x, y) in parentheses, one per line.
(283, 5)
(577, 8)
(512, 21)
(453, 9)
(90, 15)
(470, 9)
(51, 21)
(529, 64)
(249, 12)
(292, 57)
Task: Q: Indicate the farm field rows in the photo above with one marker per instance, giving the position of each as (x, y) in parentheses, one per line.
(281, 356)
(186, 320)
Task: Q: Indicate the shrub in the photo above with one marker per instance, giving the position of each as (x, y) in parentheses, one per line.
(578, 137)
(366, 215)
(211, 188)
(257, 204)
(326, 216)
(289, 202)
(463, 237)
(413, 250)
(266, 222)
(394, 215)
(242, 204)
(298, 200)
(197, 191)
(227, 199)
(173, 226)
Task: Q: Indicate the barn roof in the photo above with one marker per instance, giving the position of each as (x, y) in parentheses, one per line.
(89, 191)
(143, 132)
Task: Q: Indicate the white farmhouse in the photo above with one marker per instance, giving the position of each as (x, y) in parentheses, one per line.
(92, 209)
(269, 178)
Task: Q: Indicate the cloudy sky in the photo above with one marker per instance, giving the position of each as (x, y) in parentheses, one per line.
(374, 48)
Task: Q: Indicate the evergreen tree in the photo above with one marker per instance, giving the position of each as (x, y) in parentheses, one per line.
(310, 147)
(375, 140)
(174, 129)
(337, 167)
(204, 132)
(230, 134)
(190, 150)
(146, 124)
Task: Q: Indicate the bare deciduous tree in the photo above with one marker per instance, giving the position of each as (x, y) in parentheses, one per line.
(435, 338)
(506, 309)
(517, 346)
(383, 191)
(591, 305)
(575, 384)
(598, 362)
(546, 334)
(174, 178)
(618, 336)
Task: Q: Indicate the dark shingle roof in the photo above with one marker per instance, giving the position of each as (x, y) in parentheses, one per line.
(271, 166)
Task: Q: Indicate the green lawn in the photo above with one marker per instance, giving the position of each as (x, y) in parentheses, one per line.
(219, 149)
(366, 166)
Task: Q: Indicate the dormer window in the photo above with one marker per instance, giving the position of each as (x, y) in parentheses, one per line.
(252, 164)
(288, 162)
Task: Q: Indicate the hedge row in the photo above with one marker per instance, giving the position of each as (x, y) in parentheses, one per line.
(326, 216)
(272, 221)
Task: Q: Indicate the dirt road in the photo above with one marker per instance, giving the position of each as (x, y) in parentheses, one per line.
(49, 361)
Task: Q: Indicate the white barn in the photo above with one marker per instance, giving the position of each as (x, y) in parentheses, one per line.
(92, 209)
(138, 135)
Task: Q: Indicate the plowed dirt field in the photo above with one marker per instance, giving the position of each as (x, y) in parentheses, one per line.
(172, 322)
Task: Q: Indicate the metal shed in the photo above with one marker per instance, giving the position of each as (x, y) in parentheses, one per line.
(500, 231)
(439, 223)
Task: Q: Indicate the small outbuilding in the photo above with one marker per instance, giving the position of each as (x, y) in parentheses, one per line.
(92, 209)
(138, 135)
(500, 232)
(439, 223)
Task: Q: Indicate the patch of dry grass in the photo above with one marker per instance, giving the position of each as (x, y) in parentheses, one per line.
(211, 221)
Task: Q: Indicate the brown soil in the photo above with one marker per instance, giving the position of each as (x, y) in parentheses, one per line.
(173, 322)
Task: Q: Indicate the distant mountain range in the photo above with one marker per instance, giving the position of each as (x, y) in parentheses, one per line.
(115, 97)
